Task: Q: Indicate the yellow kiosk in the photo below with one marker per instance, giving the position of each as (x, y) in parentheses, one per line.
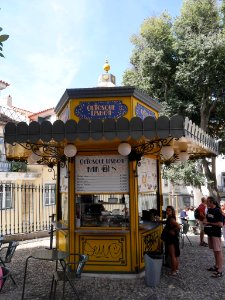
(108, 145)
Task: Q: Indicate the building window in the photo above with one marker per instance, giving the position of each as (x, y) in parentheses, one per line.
(49, 194)
(5, 196)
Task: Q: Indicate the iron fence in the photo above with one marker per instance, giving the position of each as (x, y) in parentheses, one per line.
(26, 208)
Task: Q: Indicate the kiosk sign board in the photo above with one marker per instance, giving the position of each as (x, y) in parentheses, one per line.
(102, 174)
(101, 109)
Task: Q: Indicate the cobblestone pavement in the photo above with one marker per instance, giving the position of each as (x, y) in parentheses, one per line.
(193, 282)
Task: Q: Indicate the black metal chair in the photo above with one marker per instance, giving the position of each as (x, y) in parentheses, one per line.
(1, 240)
(70, 272)
(4, 275)
(6, 255)
(183, 233)
(51, 230)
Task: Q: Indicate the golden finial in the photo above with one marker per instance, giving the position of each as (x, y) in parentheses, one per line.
(106, 66)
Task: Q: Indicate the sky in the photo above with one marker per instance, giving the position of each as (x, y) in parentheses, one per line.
(60, 44)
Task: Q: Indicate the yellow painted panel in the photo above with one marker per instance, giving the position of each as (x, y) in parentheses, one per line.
(134, 216)
(149, 241)
(106, 253)
(72, 211)
(62, 240)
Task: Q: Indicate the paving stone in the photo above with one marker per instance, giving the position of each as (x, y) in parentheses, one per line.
(193, 282)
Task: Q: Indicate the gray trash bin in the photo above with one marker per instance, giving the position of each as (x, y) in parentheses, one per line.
(153, 267)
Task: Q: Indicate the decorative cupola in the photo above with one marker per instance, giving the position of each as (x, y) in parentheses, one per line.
(106, 79)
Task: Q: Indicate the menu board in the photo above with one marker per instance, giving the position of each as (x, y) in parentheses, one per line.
(147, 175)
(99, 174)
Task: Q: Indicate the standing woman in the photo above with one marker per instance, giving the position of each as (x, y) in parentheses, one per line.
(222, 206)
(170, 236)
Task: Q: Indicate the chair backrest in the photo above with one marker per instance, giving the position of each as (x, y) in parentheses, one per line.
(185, 228)
(11, 248)
(83, 258)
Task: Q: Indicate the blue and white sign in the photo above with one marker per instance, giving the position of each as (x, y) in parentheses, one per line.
(101, 110)
(142, 112)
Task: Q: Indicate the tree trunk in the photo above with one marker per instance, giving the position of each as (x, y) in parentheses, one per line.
(204, 115)
(211, 176)
(207, 106)
(210, 173)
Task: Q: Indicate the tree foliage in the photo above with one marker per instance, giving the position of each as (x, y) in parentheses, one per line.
(182, 174)
(181, 62)
(18, 166)
(3, 38)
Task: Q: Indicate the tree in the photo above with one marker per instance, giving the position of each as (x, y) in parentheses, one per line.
(182, 63)
(18, 166)
(3, 38)
(182, 174)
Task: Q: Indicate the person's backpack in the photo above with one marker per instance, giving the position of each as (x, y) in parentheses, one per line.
(197, 213)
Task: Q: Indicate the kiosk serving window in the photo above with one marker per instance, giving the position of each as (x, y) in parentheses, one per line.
(102, 210)
(147, 188)
(102, 191)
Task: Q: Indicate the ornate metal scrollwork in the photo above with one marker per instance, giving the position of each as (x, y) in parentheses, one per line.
(151, 147)
(49, 155)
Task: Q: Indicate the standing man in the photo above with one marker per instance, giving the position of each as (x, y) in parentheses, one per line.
(183, 215)
(215, 222)
(222, 206)
(201, 215)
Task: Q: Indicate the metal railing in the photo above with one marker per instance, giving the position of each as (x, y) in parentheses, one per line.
(26, 208)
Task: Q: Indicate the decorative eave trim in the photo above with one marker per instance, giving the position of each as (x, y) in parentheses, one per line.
(121, 129)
